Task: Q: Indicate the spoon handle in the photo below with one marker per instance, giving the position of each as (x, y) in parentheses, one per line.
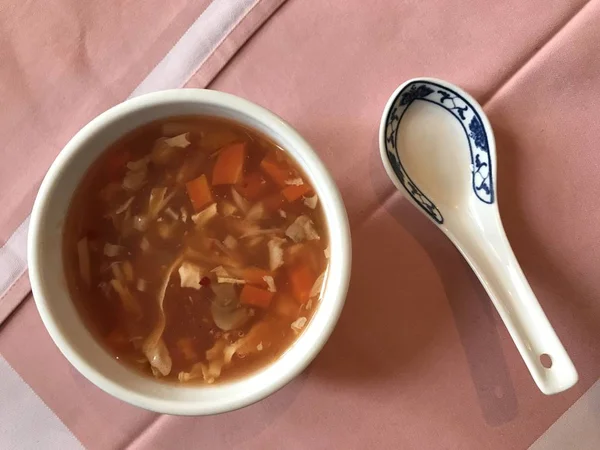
(495, 264)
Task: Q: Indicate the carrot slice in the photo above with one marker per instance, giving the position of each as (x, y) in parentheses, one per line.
(230, 164)
(301, 279)
(255, 275)
(293, 193)
(199, 192)
(254, 296)
(273, 202)
(252, 187)
(276, 170)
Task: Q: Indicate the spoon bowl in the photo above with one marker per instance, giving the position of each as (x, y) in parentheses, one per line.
(438, 148)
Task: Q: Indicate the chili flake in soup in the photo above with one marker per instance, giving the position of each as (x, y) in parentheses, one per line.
(195, 249)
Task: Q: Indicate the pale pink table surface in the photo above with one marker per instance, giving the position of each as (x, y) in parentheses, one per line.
(419, 359)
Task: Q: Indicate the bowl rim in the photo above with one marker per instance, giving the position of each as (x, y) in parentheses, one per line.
(336, 214)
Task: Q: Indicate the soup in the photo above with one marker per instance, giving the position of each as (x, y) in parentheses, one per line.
(195, 250)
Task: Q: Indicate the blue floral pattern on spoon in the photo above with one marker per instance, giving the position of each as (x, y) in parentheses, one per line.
(463, 111)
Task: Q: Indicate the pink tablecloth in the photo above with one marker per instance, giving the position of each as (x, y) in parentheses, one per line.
(419, 358)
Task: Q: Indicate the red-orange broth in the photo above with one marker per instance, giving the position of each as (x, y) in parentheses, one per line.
(195, 250)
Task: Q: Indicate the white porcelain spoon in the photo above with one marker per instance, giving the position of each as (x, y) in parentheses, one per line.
(438, 148)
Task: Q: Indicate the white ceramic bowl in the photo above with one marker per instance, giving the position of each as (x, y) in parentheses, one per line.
(46, 263)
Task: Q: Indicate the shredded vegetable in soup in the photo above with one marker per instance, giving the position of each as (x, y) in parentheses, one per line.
(196, 250)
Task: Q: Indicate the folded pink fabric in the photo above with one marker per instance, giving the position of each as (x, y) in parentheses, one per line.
(419, 358)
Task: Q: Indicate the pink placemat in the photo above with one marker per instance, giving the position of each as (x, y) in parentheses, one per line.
(419, 358)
